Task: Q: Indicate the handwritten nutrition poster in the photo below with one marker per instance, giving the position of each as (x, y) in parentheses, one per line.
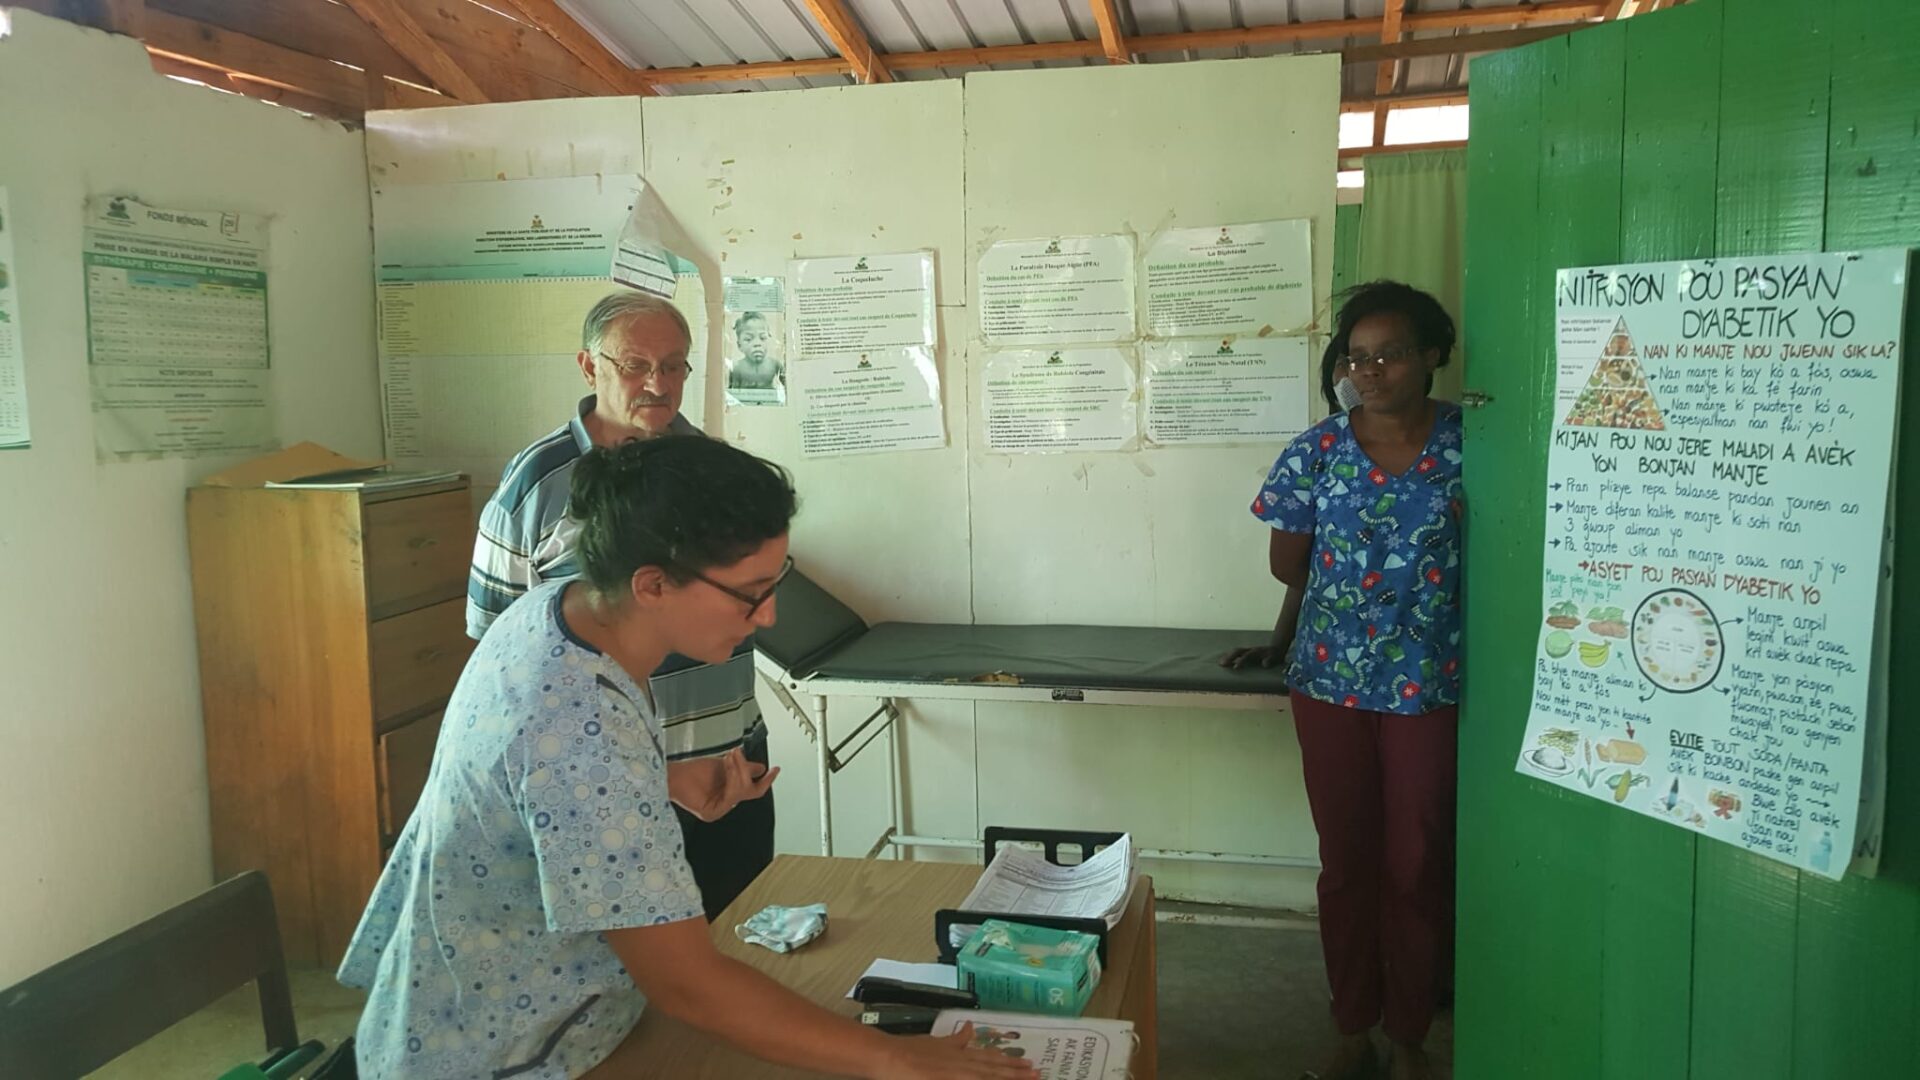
(1716, 499)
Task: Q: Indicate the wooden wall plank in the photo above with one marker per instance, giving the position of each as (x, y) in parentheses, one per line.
(1771, 198)
(1667, 198)
(1858, 960)
(1504, 926)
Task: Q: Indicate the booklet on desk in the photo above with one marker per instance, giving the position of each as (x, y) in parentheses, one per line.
(1058, 1047)
(1020, 881)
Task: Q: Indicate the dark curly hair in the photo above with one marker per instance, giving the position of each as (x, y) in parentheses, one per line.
(682, 503)
(1431, 325)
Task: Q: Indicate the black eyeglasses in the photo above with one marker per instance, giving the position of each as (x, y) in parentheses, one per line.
(1392, 354)
(753, 602)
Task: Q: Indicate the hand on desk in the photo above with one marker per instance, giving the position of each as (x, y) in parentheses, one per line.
(1260, 656)
(949, 1057)
(709, 788)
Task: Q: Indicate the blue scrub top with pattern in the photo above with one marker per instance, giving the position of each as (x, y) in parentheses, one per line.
(1380, 620)
(544, 823)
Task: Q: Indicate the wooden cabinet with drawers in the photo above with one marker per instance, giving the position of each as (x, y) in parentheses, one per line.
(332, 628)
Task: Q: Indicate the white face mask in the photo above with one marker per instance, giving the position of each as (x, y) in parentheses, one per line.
(1346, 393)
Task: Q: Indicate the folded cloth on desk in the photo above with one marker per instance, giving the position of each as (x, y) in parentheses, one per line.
(783, 929)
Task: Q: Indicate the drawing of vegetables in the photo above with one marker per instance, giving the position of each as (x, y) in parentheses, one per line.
(1608, 622)
(1564, 615)
(1624, 782)
(1561, 739)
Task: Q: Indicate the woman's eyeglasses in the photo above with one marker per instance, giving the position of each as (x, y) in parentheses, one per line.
(752, 600)
(1393, 354)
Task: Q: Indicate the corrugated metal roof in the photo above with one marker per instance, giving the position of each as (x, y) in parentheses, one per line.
(684, 33)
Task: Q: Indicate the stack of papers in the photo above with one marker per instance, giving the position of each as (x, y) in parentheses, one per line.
(1020, 881)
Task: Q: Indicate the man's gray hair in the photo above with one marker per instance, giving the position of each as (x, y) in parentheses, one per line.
(614, 307)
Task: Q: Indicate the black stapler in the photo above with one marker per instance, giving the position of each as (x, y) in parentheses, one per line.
(874, 990)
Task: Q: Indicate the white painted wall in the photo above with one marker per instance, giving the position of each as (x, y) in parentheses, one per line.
(103, 787)
(1160, 537)
(1153, 538)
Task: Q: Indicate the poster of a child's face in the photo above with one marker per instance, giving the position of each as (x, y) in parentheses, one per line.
(756, 375)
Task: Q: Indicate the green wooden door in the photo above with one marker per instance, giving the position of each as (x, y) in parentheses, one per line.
(1595, 943)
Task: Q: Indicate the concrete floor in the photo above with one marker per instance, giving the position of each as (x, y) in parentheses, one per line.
(1236, 1003)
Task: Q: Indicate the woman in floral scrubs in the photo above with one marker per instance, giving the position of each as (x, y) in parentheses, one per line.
(1365, 510)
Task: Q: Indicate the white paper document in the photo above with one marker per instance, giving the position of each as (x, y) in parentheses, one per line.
(1040, 401)
(176, 329)
(1056, 291)
(942, 975)
(1221, 392)
(1021, 881)
(1255, 278)
(869, 403)
(13, 374)
(860, 303)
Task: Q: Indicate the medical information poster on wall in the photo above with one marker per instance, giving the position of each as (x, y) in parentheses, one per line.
(867, 403)
(1227, 390)
(1712, 624)
(14, 433)
(482, 288)
(1255, 278)
(176, 330)
(860, 303)
(1052, 400)
(1062, 290)
(754, 340)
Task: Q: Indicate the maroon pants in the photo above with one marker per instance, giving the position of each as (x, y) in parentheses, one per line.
(1382, 791)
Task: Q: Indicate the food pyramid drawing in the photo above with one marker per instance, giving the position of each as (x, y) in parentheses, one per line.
(1617, 395)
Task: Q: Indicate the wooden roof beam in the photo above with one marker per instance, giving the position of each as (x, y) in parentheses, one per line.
(319, 27)
(1431, 100)
(235, 83)
(411, 41)
(1523, 15)
(261, 61)
(1389, 74)
(851, 41)
(1356, 152)
(554, 22)
(1107, 18)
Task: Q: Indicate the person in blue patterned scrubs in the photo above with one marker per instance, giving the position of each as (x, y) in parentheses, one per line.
(539, 897)
(1365, 511)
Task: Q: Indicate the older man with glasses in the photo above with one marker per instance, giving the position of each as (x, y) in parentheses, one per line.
(633, 354)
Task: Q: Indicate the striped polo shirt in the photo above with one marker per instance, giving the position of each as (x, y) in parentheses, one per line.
(525, 538)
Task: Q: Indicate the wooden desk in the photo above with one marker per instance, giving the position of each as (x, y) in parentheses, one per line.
(874, 909)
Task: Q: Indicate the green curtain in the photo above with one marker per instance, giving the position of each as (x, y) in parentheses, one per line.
(1346, 246)
(1412, 227)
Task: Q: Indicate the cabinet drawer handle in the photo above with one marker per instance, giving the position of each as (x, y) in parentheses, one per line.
(419, 542)
(428, 656)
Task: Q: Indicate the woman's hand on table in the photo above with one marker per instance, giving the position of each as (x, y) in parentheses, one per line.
(709, 788)
(1256, 656)
(947, 1057)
